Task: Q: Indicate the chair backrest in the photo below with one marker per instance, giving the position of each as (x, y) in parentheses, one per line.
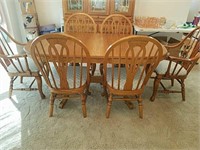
(116, 24)
(193, 57)
(189, 49)
(186, 46)
(56, 56)
(191, 44)
(80, 22)
(139, 55)
(8, 57)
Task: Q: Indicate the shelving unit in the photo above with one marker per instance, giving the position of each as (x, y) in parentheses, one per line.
(30, 18)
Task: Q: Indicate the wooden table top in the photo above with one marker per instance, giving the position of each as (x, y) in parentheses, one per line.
(96, 43)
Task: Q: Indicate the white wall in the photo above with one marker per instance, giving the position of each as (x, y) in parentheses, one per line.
(49, 12)
(175, 10)
(195, 7)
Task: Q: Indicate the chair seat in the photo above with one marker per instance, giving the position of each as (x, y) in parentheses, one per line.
(70, 76)
(31, 64)
(163, 65)
(122, 78)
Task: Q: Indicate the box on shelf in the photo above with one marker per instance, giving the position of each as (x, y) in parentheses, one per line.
(48, 29)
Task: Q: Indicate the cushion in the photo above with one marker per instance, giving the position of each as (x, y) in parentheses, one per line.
(31, 64)
(163, 65)
(122, 78)
(70, 76)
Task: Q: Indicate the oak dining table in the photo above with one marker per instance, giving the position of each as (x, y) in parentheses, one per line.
(97, 44)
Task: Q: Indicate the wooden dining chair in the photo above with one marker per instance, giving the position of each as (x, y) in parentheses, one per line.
(116, 24)
(140, 55)
(52, 54)
(81, 22)
(182, 58)
(17, 65)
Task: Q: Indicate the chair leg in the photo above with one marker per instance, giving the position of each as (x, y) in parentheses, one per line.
(39, 83)
(129, 104)
(21, 79)
(93, 68)
(183, 90)
(104, 93)
(83, 98)
(11, 86)
(172, 82)
(109, 106)
(52, 99)
(155, 87)
(62, 103)
(140, 107)
(87, 91)
(101, 68)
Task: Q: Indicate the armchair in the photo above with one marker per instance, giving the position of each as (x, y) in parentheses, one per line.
(53, 54)
(17, 65)
(182, 58)
(140, 55)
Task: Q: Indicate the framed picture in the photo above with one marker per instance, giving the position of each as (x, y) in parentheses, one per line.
(29, 21)
(31, 33)
(27, 6)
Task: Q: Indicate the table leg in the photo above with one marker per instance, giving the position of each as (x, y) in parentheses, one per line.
(129, 104)
(62, 103)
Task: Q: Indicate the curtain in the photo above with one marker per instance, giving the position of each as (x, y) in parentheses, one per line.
(9, 21)
(2, 15)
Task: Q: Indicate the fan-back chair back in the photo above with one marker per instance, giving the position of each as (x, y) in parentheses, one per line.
(140, 55)
(17, 65)
(80, 22)
(52, 54)
(116, 24)
(178, 67)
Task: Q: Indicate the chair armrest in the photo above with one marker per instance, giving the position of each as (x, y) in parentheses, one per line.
(173, 58)
(174, 50)
(15, 41)
(184, 60)
(179, 60)
(13, 56)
